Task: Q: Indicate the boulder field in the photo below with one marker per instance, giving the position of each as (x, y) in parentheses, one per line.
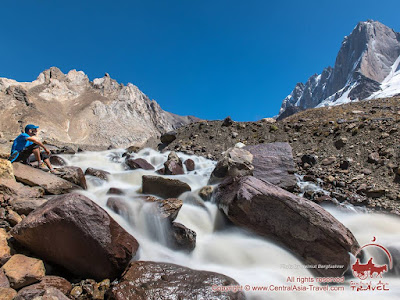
(53, 238)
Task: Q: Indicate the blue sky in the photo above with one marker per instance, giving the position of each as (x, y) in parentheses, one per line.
(205, 58)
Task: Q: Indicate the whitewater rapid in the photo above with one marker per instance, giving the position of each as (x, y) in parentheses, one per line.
(228, 250)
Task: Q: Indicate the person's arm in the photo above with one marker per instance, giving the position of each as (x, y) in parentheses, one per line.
(36, 141)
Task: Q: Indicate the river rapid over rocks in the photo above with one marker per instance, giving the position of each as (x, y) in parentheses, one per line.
(221, 247)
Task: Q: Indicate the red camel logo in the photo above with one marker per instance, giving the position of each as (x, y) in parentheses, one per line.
(363, 270)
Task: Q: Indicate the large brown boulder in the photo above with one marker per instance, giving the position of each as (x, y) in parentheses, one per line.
(274, 163)
(163, 187)
(74, 175)
(74, 232)
(235, 162)
(138, 163)
(153, 280)
(49, 182)
(302, 226)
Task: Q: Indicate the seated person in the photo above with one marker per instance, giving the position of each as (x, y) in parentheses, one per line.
(27, 147)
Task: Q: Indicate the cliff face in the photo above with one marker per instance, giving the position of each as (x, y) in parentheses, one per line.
(71, 108)
(366, 60)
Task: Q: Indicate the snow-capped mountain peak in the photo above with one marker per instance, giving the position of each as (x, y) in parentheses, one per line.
(366, 67)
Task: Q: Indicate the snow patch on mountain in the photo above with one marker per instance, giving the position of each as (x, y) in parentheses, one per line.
(391, 85)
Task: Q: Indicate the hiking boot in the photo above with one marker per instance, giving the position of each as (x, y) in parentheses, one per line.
(56, 172)
(42, 167)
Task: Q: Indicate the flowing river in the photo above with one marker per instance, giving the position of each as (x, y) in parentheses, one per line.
(252, 261)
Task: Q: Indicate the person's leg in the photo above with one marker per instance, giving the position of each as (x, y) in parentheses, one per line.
(48, 164)
(36, 153)
(24, 155)
(46, 159)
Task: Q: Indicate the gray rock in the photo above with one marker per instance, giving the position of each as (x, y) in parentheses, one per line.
(168, 138)
(346, 163)
(18, 190)
(25, 206)
(56, 160)
(115, 191)
(138, 163)
(328, 161)
(103, 175)
(375, 193)
(49, 182)
(227, 122)
(74, 175)
(340, 143)
(235, 162)
(309, 159)
(181, 237)
(373, 158)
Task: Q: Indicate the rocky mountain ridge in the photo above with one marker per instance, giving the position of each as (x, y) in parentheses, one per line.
(72, 109)
(367, 67)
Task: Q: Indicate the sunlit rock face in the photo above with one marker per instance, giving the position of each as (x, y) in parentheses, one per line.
(71, 108)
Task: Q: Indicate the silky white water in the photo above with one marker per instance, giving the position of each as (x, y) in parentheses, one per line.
(231, 251)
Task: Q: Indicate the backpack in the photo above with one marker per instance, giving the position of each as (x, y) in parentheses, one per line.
(14, 155)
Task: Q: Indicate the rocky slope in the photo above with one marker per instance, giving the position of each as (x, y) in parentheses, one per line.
(71, 109)
(367, 66)
(352, 149)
